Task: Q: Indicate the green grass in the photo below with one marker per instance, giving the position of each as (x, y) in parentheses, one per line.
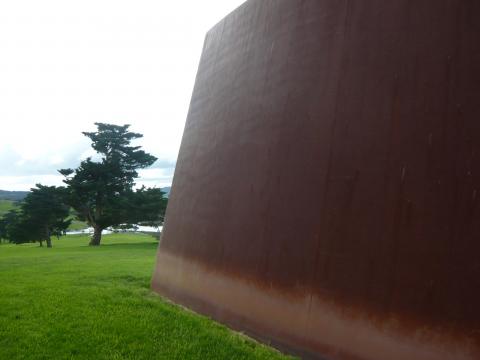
(5, 206)
(78, 302)
(77, 225)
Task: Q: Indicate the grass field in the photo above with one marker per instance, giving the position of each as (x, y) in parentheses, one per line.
(5, 206)
(77, 225)
(79, 302)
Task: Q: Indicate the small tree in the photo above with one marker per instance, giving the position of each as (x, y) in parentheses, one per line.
(43, 214)
(102, 192)
(6, 222)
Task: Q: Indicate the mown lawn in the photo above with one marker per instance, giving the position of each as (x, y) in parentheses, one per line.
(78, 302)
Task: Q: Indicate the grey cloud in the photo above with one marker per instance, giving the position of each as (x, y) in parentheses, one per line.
(13, 164)
(164, 164)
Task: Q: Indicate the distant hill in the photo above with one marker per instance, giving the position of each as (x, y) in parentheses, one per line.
(20, 195)
(12, 195)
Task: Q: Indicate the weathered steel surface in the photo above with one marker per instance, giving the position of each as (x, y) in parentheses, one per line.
(326, 195)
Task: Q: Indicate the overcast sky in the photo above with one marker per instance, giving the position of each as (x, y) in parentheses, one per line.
(67, 64)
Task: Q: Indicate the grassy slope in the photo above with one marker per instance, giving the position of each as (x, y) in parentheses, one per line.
(77, 225)
(5, 206)
(78, 302)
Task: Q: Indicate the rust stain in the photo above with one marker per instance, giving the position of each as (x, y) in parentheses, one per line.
(326, 192)
(270, 311)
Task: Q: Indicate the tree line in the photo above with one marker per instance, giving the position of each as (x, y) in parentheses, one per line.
(100, 192)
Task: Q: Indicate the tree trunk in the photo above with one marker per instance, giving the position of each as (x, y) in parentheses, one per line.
(41, 243)
(96, 237)
(48, 239)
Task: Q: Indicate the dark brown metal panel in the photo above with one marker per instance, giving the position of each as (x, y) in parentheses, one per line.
(327, 187)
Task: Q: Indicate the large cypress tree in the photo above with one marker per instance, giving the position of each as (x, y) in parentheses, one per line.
(102, 191)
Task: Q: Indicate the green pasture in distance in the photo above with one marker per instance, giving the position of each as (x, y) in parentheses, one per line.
(5, 206)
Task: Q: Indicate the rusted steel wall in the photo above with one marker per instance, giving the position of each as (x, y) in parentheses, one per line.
(326, 196)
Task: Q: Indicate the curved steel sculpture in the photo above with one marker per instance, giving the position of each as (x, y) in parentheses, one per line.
(326, 195)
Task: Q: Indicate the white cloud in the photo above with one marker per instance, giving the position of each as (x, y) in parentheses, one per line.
(21, 183)
(155, 177)
(66, 65)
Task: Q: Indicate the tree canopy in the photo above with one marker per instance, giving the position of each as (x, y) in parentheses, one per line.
(42, 214)
(7, 222)
(102, 192)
